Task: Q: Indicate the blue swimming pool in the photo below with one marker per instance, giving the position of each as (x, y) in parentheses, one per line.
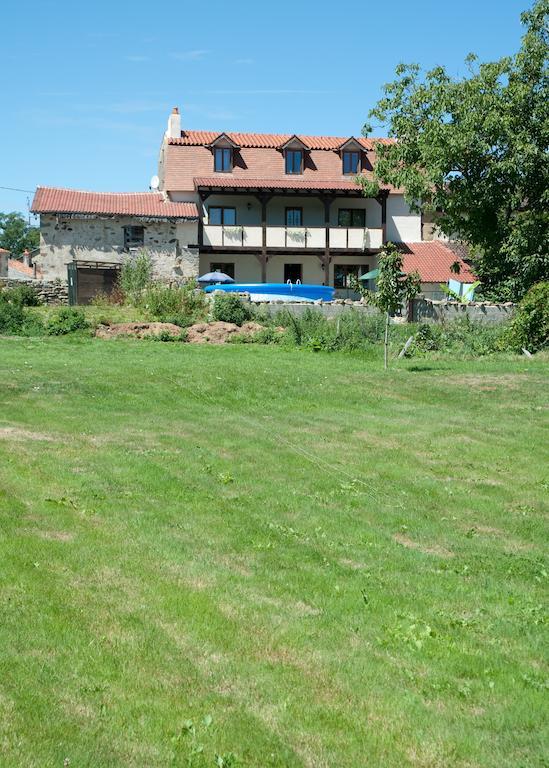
(280, 290)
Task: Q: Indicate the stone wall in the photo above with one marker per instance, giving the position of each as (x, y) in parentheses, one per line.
(425, 311)
(4, 256)
(49, 292)
(93, 238)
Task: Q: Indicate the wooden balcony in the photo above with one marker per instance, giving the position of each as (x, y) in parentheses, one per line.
(292, 238)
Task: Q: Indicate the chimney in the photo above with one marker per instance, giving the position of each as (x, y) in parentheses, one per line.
(26, 258)
(174, 124)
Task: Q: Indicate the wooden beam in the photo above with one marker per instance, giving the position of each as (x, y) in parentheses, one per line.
(382, 200)
(203, 197)
(327, 200)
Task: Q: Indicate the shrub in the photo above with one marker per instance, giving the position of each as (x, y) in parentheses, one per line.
(12, 317)
(33, 325)
(349, 331)
(67, 320)
(23, 295)
(529, 328)
(459, 338)
(229, 308)
(182, 305)
(135, 275)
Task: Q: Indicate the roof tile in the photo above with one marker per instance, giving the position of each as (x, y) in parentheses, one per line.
(150, 204)
(271, 140)
(287, 183)
(433, 260)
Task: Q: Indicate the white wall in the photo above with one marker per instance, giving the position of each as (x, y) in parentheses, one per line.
(403, 226)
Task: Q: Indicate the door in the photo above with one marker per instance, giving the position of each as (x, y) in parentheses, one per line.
(293, 273)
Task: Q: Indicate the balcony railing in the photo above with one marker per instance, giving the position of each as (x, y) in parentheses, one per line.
(355, 238)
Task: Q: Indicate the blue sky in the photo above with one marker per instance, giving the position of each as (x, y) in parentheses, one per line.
(87, 87)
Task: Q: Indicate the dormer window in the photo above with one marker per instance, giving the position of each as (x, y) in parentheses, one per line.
(223, 149)
(223, 159)
(294, 161)
(351, 163)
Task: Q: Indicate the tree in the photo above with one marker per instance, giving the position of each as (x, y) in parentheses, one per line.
(475, 151)
(393, 288)
(16, 235)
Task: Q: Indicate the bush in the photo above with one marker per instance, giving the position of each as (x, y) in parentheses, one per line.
(229, 308)
(135, 275)
(529, 328)
(459, 338)
(33, 325)
(348, 331)
(67, 320)
(12, 317)
(182, 305)
(23, 295)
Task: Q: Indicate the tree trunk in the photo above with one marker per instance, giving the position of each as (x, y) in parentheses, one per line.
(386, 350)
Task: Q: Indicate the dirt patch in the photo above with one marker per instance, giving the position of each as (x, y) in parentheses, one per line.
(137, 330)
(435, 549)
(354, 565)
(17, 433)
(219, 332)
(56, 535)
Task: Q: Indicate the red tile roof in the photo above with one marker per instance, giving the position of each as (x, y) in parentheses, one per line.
(433, 260)
(150, 204)
(287, 183)
(3, 250)
(271, 140)
(18, 266)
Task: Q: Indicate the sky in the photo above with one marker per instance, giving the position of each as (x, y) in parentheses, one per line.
(87, 87)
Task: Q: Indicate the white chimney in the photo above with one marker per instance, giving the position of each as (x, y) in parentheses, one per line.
(174, 124)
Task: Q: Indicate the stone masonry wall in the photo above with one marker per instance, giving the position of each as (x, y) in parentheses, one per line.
(425, 311)
(64, 239)
(49, 292)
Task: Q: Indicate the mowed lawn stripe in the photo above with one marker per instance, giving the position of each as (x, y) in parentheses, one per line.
(341, 566)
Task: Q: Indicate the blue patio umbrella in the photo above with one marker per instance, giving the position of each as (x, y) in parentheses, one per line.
(215, 277)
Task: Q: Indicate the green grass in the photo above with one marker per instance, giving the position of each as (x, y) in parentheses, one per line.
(341, 567)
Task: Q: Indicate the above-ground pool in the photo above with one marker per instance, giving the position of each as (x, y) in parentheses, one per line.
(277, 291)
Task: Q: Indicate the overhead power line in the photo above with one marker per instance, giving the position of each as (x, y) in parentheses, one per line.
(15, 189)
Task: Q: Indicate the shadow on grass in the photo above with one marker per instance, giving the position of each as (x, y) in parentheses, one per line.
(425, 368)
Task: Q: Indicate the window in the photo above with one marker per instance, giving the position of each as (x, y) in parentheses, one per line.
(293, 272)
(351, 217)
(134, 237)
(351, 162)
(223, 160)
(294, 161)
(294, 217)
(222, 216)
(227, 269)
(344, 272)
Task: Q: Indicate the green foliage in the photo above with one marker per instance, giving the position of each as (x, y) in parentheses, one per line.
(24, 295)
(475, 149)
(66, 320)
(135, 275)
(349, 332)
(393, 287)
(229, 308)
(459, 338)
(529, 328)
(15, 319)
(16, 234)
(182, 305)
(12, 317)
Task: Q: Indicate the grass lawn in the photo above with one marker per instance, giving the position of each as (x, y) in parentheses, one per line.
(339, 566)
